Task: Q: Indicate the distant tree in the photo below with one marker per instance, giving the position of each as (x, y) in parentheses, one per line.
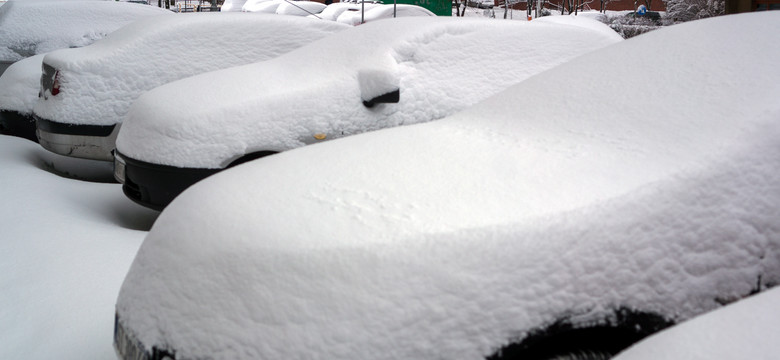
(687, 10)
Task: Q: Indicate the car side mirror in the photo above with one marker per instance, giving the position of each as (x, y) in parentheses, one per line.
(378, 87)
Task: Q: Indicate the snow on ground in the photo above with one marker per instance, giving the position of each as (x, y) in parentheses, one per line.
(65, 246)
(35, 27)
(451, 238)
(747, 329)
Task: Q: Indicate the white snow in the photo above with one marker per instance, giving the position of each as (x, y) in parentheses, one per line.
(588, 187)
(280, 104)
(300, 8)
(19, 85)
(65, 247)
(744, 330)
(36, 27)
(232, 5)
(99, 82)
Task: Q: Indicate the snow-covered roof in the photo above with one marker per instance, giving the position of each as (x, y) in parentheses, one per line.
(19, 85)
(36, 27)
(746, 329)
(439, 63)
(588, 187)
(99, 82)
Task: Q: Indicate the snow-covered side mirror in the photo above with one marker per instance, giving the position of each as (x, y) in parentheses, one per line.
(378, 86)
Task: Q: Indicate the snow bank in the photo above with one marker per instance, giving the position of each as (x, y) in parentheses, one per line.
(66, 246)
(99, 82)
(19, 85)
(280, 104)
(745, 330)
(36, 27)
(452, 238)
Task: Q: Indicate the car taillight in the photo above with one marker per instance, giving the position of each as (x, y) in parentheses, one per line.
(55, 86)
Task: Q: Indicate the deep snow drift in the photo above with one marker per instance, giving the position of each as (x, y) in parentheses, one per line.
(575, 192)
(65, 246)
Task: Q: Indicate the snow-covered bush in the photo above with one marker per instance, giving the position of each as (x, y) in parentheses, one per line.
(687, 10)
(629, 26)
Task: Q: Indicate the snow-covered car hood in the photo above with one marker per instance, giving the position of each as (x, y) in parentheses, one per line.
(99, 82)
(454, 238)
(35, 27)
(19, 85)
(317, 91)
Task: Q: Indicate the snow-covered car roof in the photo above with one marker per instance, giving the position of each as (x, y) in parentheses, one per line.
(300, 8)
(281, 104)
(99, 82)
(35, 27)
(232, 5)
(379, 11)
(589, 188)
(332, 11)
(746, 329)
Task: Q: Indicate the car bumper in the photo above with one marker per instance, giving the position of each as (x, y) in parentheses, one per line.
(153, 185)
(128, 347)
(94, 142)
(17, 124)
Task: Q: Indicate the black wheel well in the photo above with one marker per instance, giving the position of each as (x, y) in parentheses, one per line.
(249, 157)
(566, 336)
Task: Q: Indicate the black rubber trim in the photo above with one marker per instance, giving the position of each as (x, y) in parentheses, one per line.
(392, 97)
(155, 186)
(17, 124)
(128, 346)
(71, 129)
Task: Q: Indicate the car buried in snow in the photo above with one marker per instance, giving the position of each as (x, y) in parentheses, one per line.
(85, 94)
(378, 75)
(33, 28)
(506, 231)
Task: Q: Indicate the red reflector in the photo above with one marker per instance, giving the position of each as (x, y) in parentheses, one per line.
(55, 86)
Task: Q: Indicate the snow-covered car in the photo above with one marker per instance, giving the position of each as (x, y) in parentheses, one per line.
(300, 8)
(746, 329)
(574, 212)
(18, 94)
(232, 5)
(35, 27)
(85, 95)
(378, 75)
(380, 11)
(333, 11)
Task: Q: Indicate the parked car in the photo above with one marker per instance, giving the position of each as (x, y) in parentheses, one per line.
(334, 10)
(36, 27)
(232, 5)
(87, 91)
(300, 8)
(383, 12)
(393, 73)
(746, 329)
(18, 93)
(538, 222)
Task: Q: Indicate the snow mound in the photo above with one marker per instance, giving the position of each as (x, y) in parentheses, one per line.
(19, 85)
